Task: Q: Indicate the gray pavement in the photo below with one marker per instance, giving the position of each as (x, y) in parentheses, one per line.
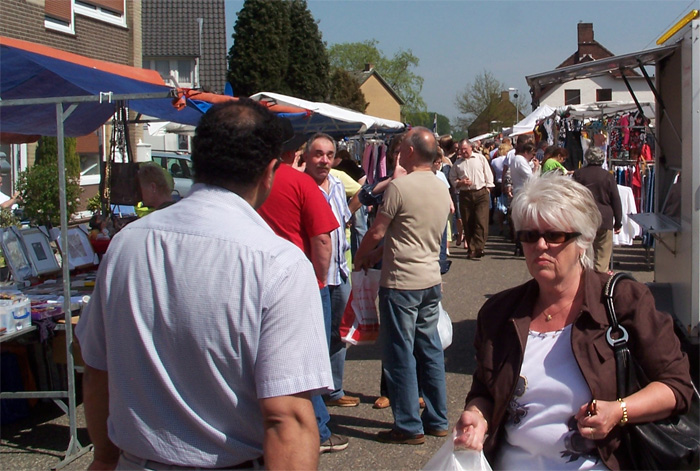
(39, 442)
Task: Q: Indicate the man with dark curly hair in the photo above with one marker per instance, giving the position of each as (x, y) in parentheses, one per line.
(204, 339)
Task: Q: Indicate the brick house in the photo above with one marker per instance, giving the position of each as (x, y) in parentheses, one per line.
(610, 87)
(382, 100)
(108, 30)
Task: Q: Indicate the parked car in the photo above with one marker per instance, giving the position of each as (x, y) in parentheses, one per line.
(180, 167)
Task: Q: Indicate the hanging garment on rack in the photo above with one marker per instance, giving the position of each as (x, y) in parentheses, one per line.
(630, 229)
(573, 146)
(367, 163)
(382, 160)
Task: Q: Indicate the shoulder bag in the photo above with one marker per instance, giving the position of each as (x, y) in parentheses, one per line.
(670, 443)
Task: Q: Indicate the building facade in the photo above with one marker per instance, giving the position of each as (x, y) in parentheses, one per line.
(607, 88)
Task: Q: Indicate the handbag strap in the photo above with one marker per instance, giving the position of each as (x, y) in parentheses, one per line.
(619, 342)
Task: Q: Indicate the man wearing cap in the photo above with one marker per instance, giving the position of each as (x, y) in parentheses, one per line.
(204, 338)
(298, 212)
(318, 157)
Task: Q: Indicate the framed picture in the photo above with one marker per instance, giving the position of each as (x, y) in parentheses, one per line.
(15, 255)
(80, 251)
(38, 249)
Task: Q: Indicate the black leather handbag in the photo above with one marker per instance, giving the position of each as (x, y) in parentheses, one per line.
(671, 443)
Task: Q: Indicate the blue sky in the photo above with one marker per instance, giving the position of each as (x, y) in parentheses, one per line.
(457, 39)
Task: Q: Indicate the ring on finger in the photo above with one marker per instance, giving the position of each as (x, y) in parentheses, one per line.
(592, 432)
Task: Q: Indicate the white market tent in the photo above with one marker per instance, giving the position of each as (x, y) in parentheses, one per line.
(482, 136)
(330, 119)
(585, 111)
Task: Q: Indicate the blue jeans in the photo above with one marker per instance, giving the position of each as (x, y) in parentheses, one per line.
(408, 335)
(339, 299)
(320, 410)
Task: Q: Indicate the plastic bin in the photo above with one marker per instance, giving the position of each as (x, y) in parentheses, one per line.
(15, 314)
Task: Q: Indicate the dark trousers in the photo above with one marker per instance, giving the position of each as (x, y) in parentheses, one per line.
(474, 206)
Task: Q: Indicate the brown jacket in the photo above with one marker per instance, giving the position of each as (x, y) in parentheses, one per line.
(502, 328)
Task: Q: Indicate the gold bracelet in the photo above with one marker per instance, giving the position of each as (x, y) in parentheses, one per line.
(623, 406)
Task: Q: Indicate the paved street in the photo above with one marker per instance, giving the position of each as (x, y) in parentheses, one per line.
(38, 443)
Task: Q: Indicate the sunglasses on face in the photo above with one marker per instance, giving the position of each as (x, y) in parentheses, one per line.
(551, 237)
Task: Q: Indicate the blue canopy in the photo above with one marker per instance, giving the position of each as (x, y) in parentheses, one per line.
(32, 71)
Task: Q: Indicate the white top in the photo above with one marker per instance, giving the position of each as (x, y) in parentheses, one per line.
(497, 166)
(520, 172)
(198, 311)
(3, 197)
(540, 431)
(337, 200)
(441, 176)
(629, 229)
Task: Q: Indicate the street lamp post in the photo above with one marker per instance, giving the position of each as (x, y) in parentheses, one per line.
(517, 105)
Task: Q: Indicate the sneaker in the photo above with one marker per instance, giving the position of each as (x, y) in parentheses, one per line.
(400, 438)
(436, 432)
(345, 401)
(334, 443)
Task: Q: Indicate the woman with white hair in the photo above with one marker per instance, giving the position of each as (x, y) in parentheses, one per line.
(544, 389)
(604, 188)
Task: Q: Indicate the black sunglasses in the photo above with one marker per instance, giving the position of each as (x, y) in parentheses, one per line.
(551, 237)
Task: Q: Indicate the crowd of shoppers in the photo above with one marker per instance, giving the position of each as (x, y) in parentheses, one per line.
(269, 235)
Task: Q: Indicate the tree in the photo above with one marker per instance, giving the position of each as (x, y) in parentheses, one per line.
(397, 71)
(38, 187)
(259, 58)
(345, 91)
(308, 68)
(277, 47)
(426, 118)
(477, 97)
(47, 152)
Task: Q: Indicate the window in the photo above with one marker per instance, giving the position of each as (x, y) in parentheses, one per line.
(184, 72)
(59, 16)
(572, 97)
(175, 72)
(109, 11)
(603, 94)
(183, 142)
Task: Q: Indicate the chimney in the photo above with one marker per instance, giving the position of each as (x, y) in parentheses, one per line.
(585, 33)
(505, 95)
(368, 67)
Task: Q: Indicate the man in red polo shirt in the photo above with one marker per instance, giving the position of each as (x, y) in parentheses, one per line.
(297, 211)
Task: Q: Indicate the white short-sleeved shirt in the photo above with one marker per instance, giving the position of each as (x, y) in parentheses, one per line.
(520, 172)
(199, 311)
(540, 431)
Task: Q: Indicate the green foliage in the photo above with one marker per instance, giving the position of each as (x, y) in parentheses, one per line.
(397, 70)
(8, 218)
(277, 47)
(308, 68)
(94, 204)
(47, 152)
(259, 58)
(38, 187)
(426, 118)
(345, 91)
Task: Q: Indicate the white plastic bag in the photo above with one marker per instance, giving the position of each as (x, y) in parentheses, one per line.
(449, 459)
(444, 328)
(360, 322)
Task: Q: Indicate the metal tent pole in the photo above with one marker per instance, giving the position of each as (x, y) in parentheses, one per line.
(75, 449)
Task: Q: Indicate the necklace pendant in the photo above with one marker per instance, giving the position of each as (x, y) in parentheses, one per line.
(547, 317)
